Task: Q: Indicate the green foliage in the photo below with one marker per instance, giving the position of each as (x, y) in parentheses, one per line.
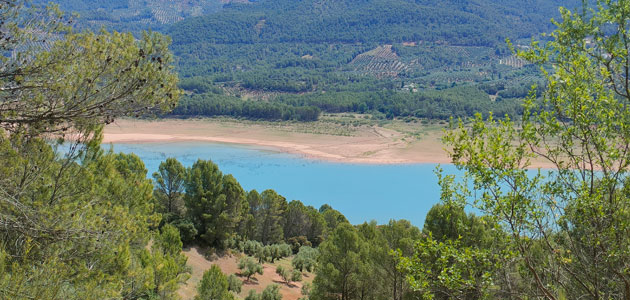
(92, 227)
(334, 61)
(215, 203)
(296, 275)
(458, 256)
(267, 209)
(342, 259)
(333, 218)
(252, 247)
(457, 101)
(302, 225)
(77, 225)
(219, 105)
(305, 290)
(168, 263)
(249, 267)
(234, 284)
(187, 230)
(124, 15)
(81, 80)
(356, 262)
(572, 219)
(399, 236)
(450, 222)
(252, 295)
(271, 292)
(306, 259)
(296, 243)
(448, 270)
(214, 285)
(284, 273)
(169, 186)
(218, 212)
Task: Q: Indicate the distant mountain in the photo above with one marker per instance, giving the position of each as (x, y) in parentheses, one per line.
(392, 58)
(136, 15)
(456, 22)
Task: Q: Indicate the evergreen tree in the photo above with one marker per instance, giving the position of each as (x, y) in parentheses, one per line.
(169, 186)
(215, 203)
(76, 225)
(342, 258)
(270, 214)
(213, 285)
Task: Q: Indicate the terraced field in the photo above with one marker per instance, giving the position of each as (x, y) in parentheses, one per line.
(513, 61)
(381, 62)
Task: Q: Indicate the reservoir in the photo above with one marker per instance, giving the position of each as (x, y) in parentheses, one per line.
(362, 192)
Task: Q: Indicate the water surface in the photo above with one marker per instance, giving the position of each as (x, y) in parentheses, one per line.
(362, 192)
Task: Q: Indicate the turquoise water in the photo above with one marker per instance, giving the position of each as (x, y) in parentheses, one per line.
(361, 192)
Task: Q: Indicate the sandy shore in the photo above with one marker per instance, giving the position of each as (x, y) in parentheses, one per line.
(366, 144)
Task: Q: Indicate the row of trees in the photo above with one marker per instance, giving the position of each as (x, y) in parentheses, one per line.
(458, 102)
(372, 261)
(219, 105)
(213, 209)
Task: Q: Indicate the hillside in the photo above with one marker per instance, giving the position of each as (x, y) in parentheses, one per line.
(228, 264)
(456, 22)
(334, 55)
(392, 58)
(136, 15)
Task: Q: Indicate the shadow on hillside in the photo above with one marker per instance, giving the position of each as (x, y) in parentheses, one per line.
(251, 281)
(210, 254)
(281, 282)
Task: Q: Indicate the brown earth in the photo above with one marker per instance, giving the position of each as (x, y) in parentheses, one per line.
(358, 144)
(228, 264)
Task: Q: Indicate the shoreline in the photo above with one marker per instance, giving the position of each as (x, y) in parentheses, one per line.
(368, 145)
(287, 148)
(371, 145)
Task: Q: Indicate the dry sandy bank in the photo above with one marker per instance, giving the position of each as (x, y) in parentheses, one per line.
(365, 144)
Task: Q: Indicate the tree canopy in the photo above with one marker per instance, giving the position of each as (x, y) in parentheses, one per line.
(76, 224)
(567, 229)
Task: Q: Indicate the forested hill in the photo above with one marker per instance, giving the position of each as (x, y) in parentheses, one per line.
(135, 15)
(456, 22)
(390, 58)
(433, 59)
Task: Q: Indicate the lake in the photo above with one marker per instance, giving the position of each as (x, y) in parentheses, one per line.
(361, 192)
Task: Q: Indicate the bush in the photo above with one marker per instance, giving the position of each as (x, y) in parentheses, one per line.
(305, 259)
(213, 285)
(249, 267)
(286, 276)
(234, 284)
(296, 275)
